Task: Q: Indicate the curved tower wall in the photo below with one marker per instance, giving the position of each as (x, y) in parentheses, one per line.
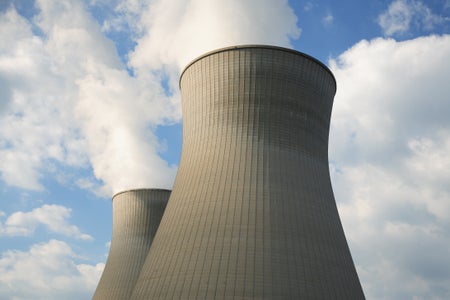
(136, 217)
(252, 213)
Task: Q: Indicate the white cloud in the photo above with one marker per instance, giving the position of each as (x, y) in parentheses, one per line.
(389, 145)
(404, 15)
(53, 217)
(116, 112)
(328, 19)
(35, 121)
(67, 100)
(46, 271)
(309, 6)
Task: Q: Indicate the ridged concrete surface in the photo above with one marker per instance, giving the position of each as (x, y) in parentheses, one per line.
(136, 217)
(252, 213)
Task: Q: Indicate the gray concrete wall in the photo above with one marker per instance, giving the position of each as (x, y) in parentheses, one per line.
(252, 213)
(136, 217)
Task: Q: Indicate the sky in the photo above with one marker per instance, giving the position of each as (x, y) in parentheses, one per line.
(89, 92)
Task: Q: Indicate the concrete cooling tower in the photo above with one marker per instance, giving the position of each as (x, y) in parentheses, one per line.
(136, 216)
(252, 213)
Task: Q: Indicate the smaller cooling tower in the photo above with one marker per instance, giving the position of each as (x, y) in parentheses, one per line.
(136, 217)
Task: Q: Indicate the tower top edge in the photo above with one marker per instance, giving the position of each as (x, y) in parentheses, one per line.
(141, 190)
(257, 46)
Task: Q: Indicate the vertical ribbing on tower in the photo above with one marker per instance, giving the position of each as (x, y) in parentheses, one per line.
(252, 213)
(136, 217)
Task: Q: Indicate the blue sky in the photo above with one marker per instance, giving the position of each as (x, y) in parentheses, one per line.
(89, 92)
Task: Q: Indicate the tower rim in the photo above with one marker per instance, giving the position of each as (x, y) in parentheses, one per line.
(257, 46)
(139, 189)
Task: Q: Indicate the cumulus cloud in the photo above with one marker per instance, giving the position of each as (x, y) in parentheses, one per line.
(47, 271)
(53, 217)
(404, 15)
(68, 100)
(32, 113)
(389, 145)
(72, 102)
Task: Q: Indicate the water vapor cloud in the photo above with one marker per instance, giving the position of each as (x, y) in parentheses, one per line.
(70, 102)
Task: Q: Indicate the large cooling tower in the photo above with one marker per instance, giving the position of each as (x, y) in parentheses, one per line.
(136, 216)
(252, 213)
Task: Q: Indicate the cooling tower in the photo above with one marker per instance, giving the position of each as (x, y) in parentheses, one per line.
(136, 216)
(252, 213)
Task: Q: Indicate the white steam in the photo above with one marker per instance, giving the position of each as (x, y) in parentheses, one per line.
(184, 30)
(68, 102)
